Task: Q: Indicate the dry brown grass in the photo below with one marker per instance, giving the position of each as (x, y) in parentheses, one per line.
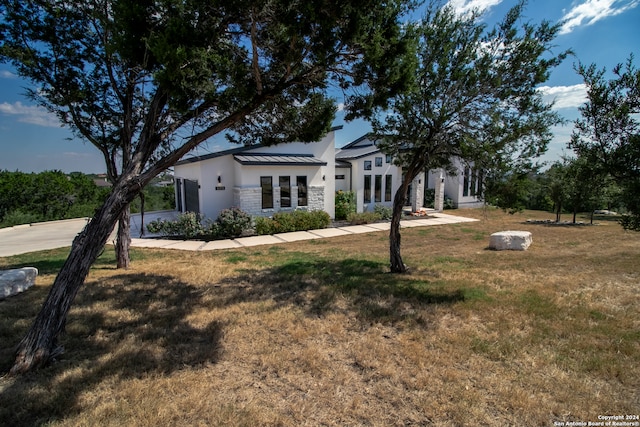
(319, 333)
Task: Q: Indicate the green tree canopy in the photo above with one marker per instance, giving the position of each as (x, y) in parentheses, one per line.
(607, 135)
(148, 81)
(475, 98)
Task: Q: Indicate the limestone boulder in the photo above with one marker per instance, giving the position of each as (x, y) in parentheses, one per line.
(510, 240)
(17, 280)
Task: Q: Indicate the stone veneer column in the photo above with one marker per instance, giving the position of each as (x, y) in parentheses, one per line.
(417, 189)
(438, 202)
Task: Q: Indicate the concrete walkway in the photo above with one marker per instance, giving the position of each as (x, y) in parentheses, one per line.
(58, 234)
(434, 218)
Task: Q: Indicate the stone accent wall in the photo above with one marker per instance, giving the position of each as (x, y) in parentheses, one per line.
(250, 200)
(315, 198)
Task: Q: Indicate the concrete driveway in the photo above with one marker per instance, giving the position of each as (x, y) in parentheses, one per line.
(57, 234)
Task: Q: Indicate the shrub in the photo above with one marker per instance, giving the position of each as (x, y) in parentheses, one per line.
(363, 218)
(231, 223)
(188, 225)
(18, 217)
(345, 204)
(298, 220)
(630, 222)
(264, 225)
(384, 212)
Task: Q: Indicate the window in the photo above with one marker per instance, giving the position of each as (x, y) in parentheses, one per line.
(474, 182)
(377, 195)
(388, 158)
(301, 182)
(465, 184)
(387, 188)
(285, 191)
(267, 192)
(367, 165)
(367, 188)
(179, 195)
(378, 162)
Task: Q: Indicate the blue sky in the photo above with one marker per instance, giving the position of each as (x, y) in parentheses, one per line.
(604, 32)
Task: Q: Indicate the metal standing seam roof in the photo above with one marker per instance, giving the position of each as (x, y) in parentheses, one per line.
(257, 159)
(356, 153)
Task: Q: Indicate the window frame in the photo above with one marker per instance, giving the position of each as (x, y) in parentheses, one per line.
(367, 189)
(303, 195)
(285, 191)
(267, 191)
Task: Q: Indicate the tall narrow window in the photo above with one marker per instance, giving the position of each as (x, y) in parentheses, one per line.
(367, 188)
(465, 183)
(387, 187)
(377, 195)
(267, 192)
(179, 195)
(301, 182)
(285, 191)
(474, 180)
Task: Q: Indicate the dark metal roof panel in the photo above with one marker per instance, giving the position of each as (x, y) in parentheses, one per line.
(257, 159)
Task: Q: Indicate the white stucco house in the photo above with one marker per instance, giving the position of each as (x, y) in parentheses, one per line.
(363, 168)
(263, 180)
(259, 180)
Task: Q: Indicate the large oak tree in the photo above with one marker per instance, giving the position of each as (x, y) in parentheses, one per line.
(475, 98)
(607, 135)
(148, 81)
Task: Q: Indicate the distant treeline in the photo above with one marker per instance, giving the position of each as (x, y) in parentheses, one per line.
(52, 195)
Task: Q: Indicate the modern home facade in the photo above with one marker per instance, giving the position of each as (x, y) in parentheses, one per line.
(259, 180)
(263, 180)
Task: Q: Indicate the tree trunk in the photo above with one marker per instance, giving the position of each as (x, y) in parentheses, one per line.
(574, 216)
(123, 239)
(395, 258)
(558, 211)
(40, 345)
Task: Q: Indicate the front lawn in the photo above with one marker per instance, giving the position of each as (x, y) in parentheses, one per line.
(320, 333)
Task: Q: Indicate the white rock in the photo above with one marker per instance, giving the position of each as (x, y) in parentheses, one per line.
(15, 281)
(510, 240)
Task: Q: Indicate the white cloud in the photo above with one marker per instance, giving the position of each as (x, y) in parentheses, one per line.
(465, 6)
(565, 96)
(589, 12)
(7, 74)
(30, 114)
(340, 107)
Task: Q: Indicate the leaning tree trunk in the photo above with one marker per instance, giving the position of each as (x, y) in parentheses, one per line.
(40, 345)
(123, 239)
(395, 258)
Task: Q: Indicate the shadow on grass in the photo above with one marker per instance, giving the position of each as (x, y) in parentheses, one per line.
(126, 326)
(316, 285)
(131, 326)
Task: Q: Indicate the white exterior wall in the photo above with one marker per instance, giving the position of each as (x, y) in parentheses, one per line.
(240, 184)
(358, 174)
(343, 184)
(454, 187)
(206, 172)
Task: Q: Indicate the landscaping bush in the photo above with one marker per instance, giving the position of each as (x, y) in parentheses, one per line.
(188, 225)
(298, 220)
(264, 226)
(385, 212)
(363, 218)
(18, 217)
(345, 204)
(231, 223)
